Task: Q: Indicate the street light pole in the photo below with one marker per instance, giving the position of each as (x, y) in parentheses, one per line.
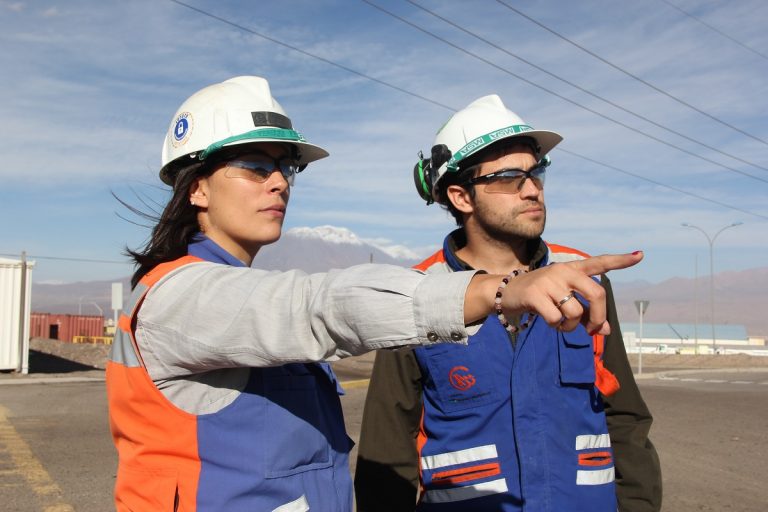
(696, 305)
(711, 242)
(642, 307)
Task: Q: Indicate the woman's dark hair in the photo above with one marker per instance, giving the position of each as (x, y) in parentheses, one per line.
(174, 228)
(465, 172)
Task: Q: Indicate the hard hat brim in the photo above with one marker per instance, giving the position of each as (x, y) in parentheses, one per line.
(308, 153)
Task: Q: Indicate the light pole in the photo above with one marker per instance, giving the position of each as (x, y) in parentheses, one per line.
(712, 271)
(696, 305)
(642, 307)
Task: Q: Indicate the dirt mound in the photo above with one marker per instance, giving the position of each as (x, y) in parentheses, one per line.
(86, 354)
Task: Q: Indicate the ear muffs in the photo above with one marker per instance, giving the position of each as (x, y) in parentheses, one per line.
(422, 178)
(425, 172)
(440, 155)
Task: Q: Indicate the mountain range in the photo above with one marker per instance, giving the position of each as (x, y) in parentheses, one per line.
(740, 297)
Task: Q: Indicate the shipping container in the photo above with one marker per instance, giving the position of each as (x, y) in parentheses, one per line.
(15, 295)
(66, 327)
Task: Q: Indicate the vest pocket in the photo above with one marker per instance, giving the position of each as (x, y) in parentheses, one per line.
(295, 431)
(577, 359)
(461, 375)
(139, 489)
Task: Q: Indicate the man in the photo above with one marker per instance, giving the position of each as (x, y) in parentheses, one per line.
(515, 420)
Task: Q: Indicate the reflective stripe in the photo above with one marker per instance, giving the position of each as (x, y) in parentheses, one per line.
(595, 459)
(465, 474)
(297, 505)
(586, 442)
(598, 477)
(459, 457)
(137, 294)
(466, 493)
(122, 351)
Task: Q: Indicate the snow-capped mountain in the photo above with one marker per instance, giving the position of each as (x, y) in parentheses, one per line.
(331, 234)
(325, 247)
(337, 235)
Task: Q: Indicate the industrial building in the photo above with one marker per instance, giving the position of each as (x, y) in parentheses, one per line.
(691, 339)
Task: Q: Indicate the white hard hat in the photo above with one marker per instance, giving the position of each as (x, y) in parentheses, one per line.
(483, 122)
(240, 110)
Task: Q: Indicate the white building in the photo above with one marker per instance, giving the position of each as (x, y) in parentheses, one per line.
(15, 294)
(691, 338)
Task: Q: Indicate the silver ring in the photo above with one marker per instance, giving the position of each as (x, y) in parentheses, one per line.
(564, 300)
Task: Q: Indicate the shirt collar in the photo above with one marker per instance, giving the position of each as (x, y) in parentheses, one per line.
(205, 248)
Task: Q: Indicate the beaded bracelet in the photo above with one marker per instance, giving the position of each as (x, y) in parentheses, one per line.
(497, 305)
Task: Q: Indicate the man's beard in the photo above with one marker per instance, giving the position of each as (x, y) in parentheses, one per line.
(506, 227)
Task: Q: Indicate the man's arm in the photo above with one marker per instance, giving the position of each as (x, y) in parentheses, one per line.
(387, 473)
(638, 472)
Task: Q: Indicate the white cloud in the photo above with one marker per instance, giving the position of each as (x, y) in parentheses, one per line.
(14, 6)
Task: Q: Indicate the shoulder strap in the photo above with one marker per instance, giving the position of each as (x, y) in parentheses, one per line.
(438, 257)
(124, 347)
(157, 273)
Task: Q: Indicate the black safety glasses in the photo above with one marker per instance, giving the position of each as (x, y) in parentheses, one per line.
(510, 181)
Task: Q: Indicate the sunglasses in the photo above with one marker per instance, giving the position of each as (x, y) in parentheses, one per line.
(510, 181)
(259, 167)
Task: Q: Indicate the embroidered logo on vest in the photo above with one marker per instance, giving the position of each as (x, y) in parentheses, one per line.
(460, 378)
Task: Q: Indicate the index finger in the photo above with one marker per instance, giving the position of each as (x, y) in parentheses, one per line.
(601, 264)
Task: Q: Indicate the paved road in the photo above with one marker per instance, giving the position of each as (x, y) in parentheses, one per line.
(711, 431)
(55, 451)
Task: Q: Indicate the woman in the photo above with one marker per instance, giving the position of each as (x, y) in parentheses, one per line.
(218, 396)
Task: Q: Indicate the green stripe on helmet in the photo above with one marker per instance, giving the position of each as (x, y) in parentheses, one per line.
(262, 133)
(483, 141)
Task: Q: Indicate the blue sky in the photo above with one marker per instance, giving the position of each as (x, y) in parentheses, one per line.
(88, 89)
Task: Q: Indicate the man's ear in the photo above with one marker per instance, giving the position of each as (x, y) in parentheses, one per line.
(198, 192)
(460, 198)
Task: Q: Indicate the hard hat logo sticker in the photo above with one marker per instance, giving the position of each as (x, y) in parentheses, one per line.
(182, 129)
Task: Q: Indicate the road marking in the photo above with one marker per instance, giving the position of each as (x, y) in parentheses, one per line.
(353, 384)
(711, 381)
(27, 466)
